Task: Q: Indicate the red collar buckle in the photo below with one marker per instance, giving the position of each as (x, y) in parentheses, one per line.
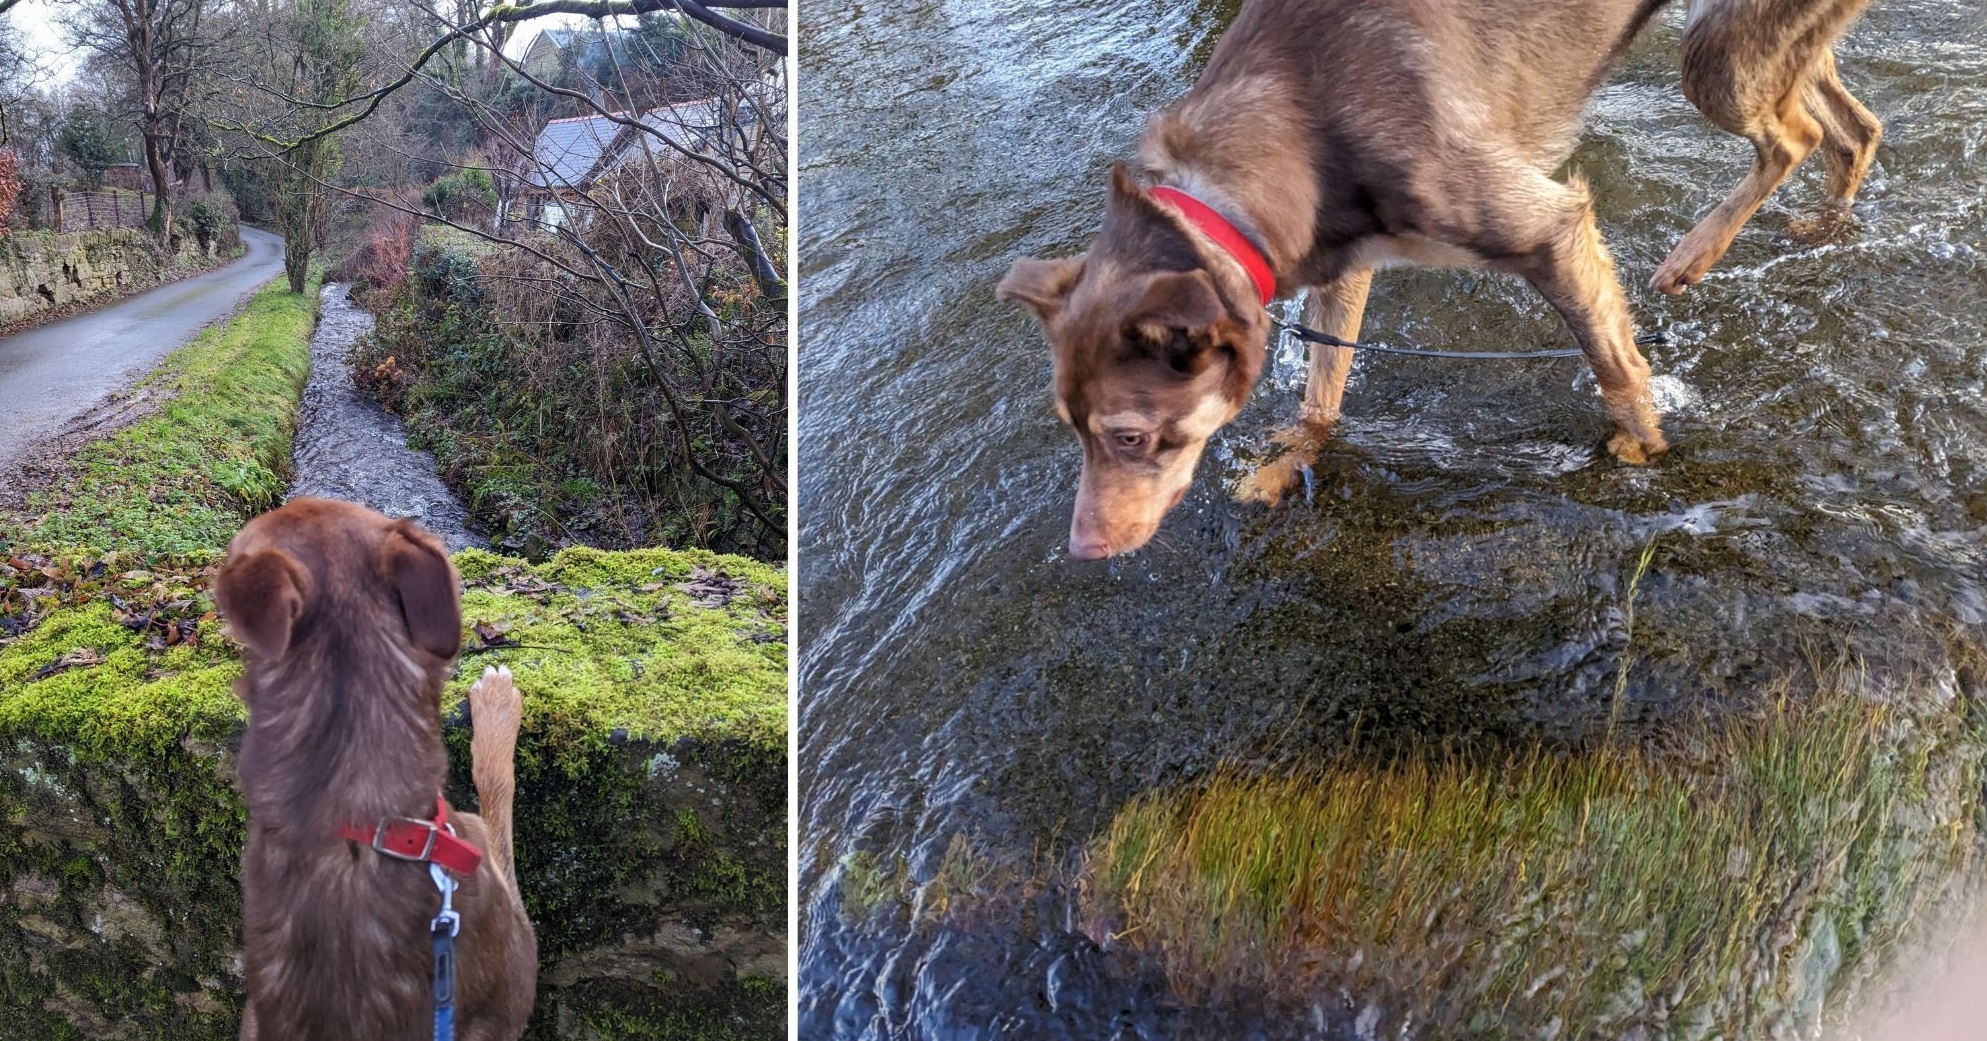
(423, 841)
(1227, 236)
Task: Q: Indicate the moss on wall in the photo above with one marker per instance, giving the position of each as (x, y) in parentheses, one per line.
(45, 272)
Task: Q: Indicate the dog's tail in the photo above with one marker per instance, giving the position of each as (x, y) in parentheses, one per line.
(494, 712)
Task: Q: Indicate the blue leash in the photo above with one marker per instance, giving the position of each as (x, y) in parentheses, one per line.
(442, 930)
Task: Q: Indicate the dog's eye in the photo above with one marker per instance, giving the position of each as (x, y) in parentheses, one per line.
(1130, 439)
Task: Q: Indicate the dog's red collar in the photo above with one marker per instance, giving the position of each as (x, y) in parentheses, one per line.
(1225, 235)
(411, 838)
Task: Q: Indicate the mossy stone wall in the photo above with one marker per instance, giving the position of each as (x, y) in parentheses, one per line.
(651, 832)
(45, 270)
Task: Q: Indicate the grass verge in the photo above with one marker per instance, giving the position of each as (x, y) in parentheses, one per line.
(184, 479)
(1732, 884)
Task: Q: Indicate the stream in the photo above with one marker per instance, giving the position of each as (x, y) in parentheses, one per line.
(350, 448)
(1461, 571)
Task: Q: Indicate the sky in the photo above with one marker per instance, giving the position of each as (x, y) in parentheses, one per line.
(37, 20)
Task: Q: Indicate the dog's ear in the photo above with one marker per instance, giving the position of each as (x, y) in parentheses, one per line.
(1125, 189)
(1176, 319)
(1184, 300)
(262, 594)
(1041, 284)
(425, 584)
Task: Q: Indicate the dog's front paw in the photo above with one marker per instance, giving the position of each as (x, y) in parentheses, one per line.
(1686, 265)
(494, 700)
(1302, 442)
(1269, 481)
(1637, 449)
(1676, 276)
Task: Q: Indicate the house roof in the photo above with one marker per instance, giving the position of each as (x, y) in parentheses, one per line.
(570, 153)
(567, 150)
(587, 45)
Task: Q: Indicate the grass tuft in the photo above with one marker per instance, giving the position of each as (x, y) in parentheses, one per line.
(1725, 888)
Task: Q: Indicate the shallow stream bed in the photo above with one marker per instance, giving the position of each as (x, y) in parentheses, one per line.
(350, 448)
(1459, 577)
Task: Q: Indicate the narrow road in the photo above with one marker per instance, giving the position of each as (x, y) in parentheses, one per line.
(51, 375)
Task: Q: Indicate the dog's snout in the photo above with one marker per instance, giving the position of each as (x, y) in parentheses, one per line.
(1087, 539)
(1088, 546)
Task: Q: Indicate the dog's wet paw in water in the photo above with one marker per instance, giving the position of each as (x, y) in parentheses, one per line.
(1301, 442)
(1636, 451)
(1829, 225)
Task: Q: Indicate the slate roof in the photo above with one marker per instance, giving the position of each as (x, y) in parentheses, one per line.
(567, 150)
(569, 153)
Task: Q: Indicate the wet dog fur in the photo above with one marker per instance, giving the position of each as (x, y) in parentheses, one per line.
(1343, 136)
(351, 622)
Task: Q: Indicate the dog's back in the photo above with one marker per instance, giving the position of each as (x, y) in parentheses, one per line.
(351, 622)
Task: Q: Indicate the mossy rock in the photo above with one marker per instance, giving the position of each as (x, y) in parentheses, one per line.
(651, 793)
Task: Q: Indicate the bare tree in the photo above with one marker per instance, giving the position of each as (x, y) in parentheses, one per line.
(298, 54)
(14, 85)
(654, 245)
(665, 254)
(160, 46)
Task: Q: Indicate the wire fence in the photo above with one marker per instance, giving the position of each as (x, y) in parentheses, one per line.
(76, 211)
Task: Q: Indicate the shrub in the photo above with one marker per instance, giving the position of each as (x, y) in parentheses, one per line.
(447, 285)
(10, 188)
(211, 217)
(378, 269)
(465, 194)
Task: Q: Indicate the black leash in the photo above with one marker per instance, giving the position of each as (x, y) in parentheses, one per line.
(1305, 332)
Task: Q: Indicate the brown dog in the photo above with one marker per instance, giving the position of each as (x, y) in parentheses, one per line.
(351, 622)
(1328, 138)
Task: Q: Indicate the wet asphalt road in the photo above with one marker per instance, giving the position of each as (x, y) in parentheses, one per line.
(53, 374)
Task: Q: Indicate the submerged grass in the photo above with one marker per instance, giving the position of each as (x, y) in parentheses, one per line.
(184, 479)
(1727, 886)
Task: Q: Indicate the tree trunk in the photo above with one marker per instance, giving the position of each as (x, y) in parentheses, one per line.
(161, 220)
(302, 209)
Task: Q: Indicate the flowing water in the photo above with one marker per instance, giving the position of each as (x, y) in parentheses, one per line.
(350, 448)
(1461, 568)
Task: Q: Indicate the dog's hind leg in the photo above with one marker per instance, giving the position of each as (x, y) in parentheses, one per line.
(1850, 132)
(1336, 308)
(1781, 136)
(1571, 267)
(1751, 67)
(495, 710)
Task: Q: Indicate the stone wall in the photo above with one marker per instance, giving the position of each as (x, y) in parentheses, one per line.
(649, 877)
(41, 271)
